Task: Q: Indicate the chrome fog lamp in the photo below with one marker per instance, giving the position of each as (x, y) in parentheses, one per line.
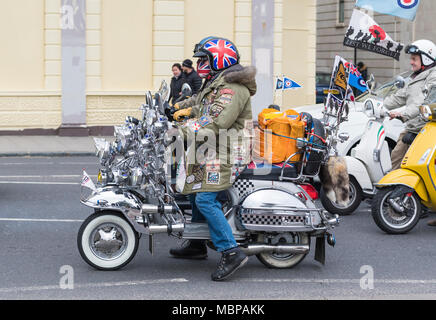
(136, 176)
(369, 109)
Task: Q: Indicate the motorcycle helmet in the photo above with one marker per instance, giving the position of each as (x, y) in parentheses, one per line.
(198, 54)
(221, 53)
(426, 49)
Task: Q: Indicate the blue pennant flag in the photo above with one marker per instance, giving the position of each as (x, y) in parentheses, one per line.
(279, 84)
(401, 8)
(356, 80)
(289, 84)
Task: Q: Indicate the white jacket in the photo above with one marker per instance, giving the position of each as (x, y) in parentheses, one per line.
(412, 97)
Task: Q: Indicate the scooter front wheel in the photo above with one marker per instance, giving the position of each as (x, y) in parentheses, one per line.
(106, 241)
(389, 218)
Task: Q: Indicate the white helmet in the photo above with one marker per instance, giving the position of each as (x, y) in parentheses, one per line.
(426, 49)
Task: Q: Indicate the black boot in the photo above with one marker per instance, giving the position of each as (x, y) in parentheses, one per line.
(231, 260)
(191, 249)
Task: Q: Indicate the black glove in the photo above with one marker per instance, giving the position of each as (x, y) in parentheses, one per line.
(409, 137)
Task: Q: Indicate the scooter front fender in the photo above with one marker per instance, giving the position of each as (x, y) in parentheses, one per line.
(116, 199)
(358, 170)
(406, 178)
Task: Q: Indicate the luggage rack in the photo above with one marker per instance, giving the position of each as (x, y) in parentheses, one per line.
(302, 144)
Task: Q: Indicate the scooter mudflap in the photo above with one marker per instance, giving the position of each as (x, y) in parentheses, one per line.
(320, 250)
(150, 244)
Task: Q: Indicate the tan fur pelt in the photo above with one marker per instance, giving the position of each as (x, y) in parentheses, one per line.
(335, 180)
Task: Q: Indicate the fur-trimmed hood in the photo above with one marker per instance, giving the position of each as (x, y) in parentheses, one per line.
(242, 75)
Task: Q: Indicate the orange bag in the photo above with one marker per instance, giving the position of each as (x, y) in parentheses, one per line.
(277, 135)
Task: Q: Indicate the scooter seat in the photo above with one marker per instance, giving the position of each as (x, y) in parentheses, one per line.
(270, 174)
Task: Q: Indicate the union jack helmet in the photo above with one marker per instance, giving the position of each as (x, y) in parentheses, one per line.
(222, 53)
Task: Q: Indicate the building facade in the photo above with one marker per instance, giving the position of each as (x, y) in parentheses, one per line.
(333, 17)
(126, 48)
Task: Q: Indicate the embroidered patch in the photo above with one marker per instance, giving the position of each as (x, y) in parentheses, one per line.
(197, 186)
(204, 121)
(190, 179)
(213, 178)
(213, 165)
(198, 173)
(227, 91)
(225, 99)
(194, 126)
(215, 110)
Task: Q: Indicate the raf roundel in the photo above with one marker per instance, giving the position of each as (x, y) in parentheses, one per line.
(408, 4)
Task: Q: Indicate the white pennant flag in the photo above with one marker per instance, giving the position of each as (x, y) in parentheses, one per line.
(87, 181)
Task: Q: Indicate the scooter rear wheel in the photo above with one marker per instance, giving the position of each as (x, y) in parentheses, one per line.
(391, 221)
(288, 260)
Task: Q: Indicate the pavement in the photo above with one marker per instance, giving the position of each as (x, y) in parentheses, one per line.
(40, 215)
(48, 145)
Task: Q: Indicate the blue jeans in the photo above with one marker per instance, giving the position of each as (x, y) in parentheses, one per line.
(206, 208)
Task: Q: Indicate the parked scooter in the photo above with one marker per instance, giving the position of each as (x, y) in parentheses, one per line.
(370, 160)
(272, 216)
(397, 206)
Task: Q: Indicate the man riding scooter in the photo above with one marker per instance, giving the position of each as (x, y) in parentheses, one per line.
(423, 61)
(223, 103)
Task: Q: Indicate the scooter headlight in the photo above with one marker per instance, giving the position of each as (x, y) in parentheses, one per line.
(369, 109)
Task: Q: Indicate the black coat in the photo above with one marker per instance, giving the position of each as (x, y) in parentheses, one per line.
(176, 87)
(194, 80)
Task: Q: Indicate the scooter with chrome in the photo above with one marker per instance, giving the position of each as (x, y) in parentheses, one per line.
(271, 215)
(402, 194)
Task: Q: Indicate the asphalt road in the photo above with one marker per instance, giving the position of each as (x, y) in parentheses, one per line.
(40, 215)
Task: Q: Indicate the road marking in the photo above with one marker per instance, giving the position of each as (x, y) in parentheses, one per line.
(49, 176)
(38, 182)
(39, 220)
(333, 281)
(46, 163)
(94, 285)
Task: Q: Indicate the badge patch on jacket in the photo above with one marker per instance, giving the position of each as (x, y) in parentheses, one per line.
(204, 121)
(225, 98)
(213, 177)
(215, 110)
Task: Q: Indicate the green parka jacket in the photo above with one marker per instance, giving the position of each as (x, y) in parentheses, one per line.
(220, 132)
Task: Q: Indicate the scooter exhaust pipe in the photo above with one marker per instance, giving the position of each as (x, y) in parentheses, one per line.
(157, 208)
(165, 228)
(256, 248)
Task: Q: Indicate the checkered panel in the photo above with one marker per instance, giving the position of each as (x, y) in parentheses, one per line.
(243, 187)
(271, 220)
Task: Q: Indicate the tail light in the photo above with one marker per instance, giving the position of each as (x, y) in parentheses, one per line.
(310, 190)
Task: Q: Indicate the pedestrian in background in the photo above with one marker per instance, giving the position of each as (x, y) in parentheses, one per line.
(191, 76)
(177, 82)
(362, 68)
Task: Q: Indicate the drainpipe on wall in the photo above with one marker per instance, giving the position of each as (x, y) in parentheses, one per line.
(262, 39)
(73, 68)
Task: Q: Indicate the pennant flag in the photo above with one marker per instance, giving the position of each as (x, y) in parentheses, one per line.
(279, 84)
(350, 95)
(364, 33)
(289, 84)
(87, 181)
(339, 82)
(401, 8)
(355, 78)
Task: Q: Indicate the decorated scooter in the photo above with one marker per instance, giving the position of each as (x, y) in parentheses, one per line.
(370, 160)
(402, 193)
(272, 216)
